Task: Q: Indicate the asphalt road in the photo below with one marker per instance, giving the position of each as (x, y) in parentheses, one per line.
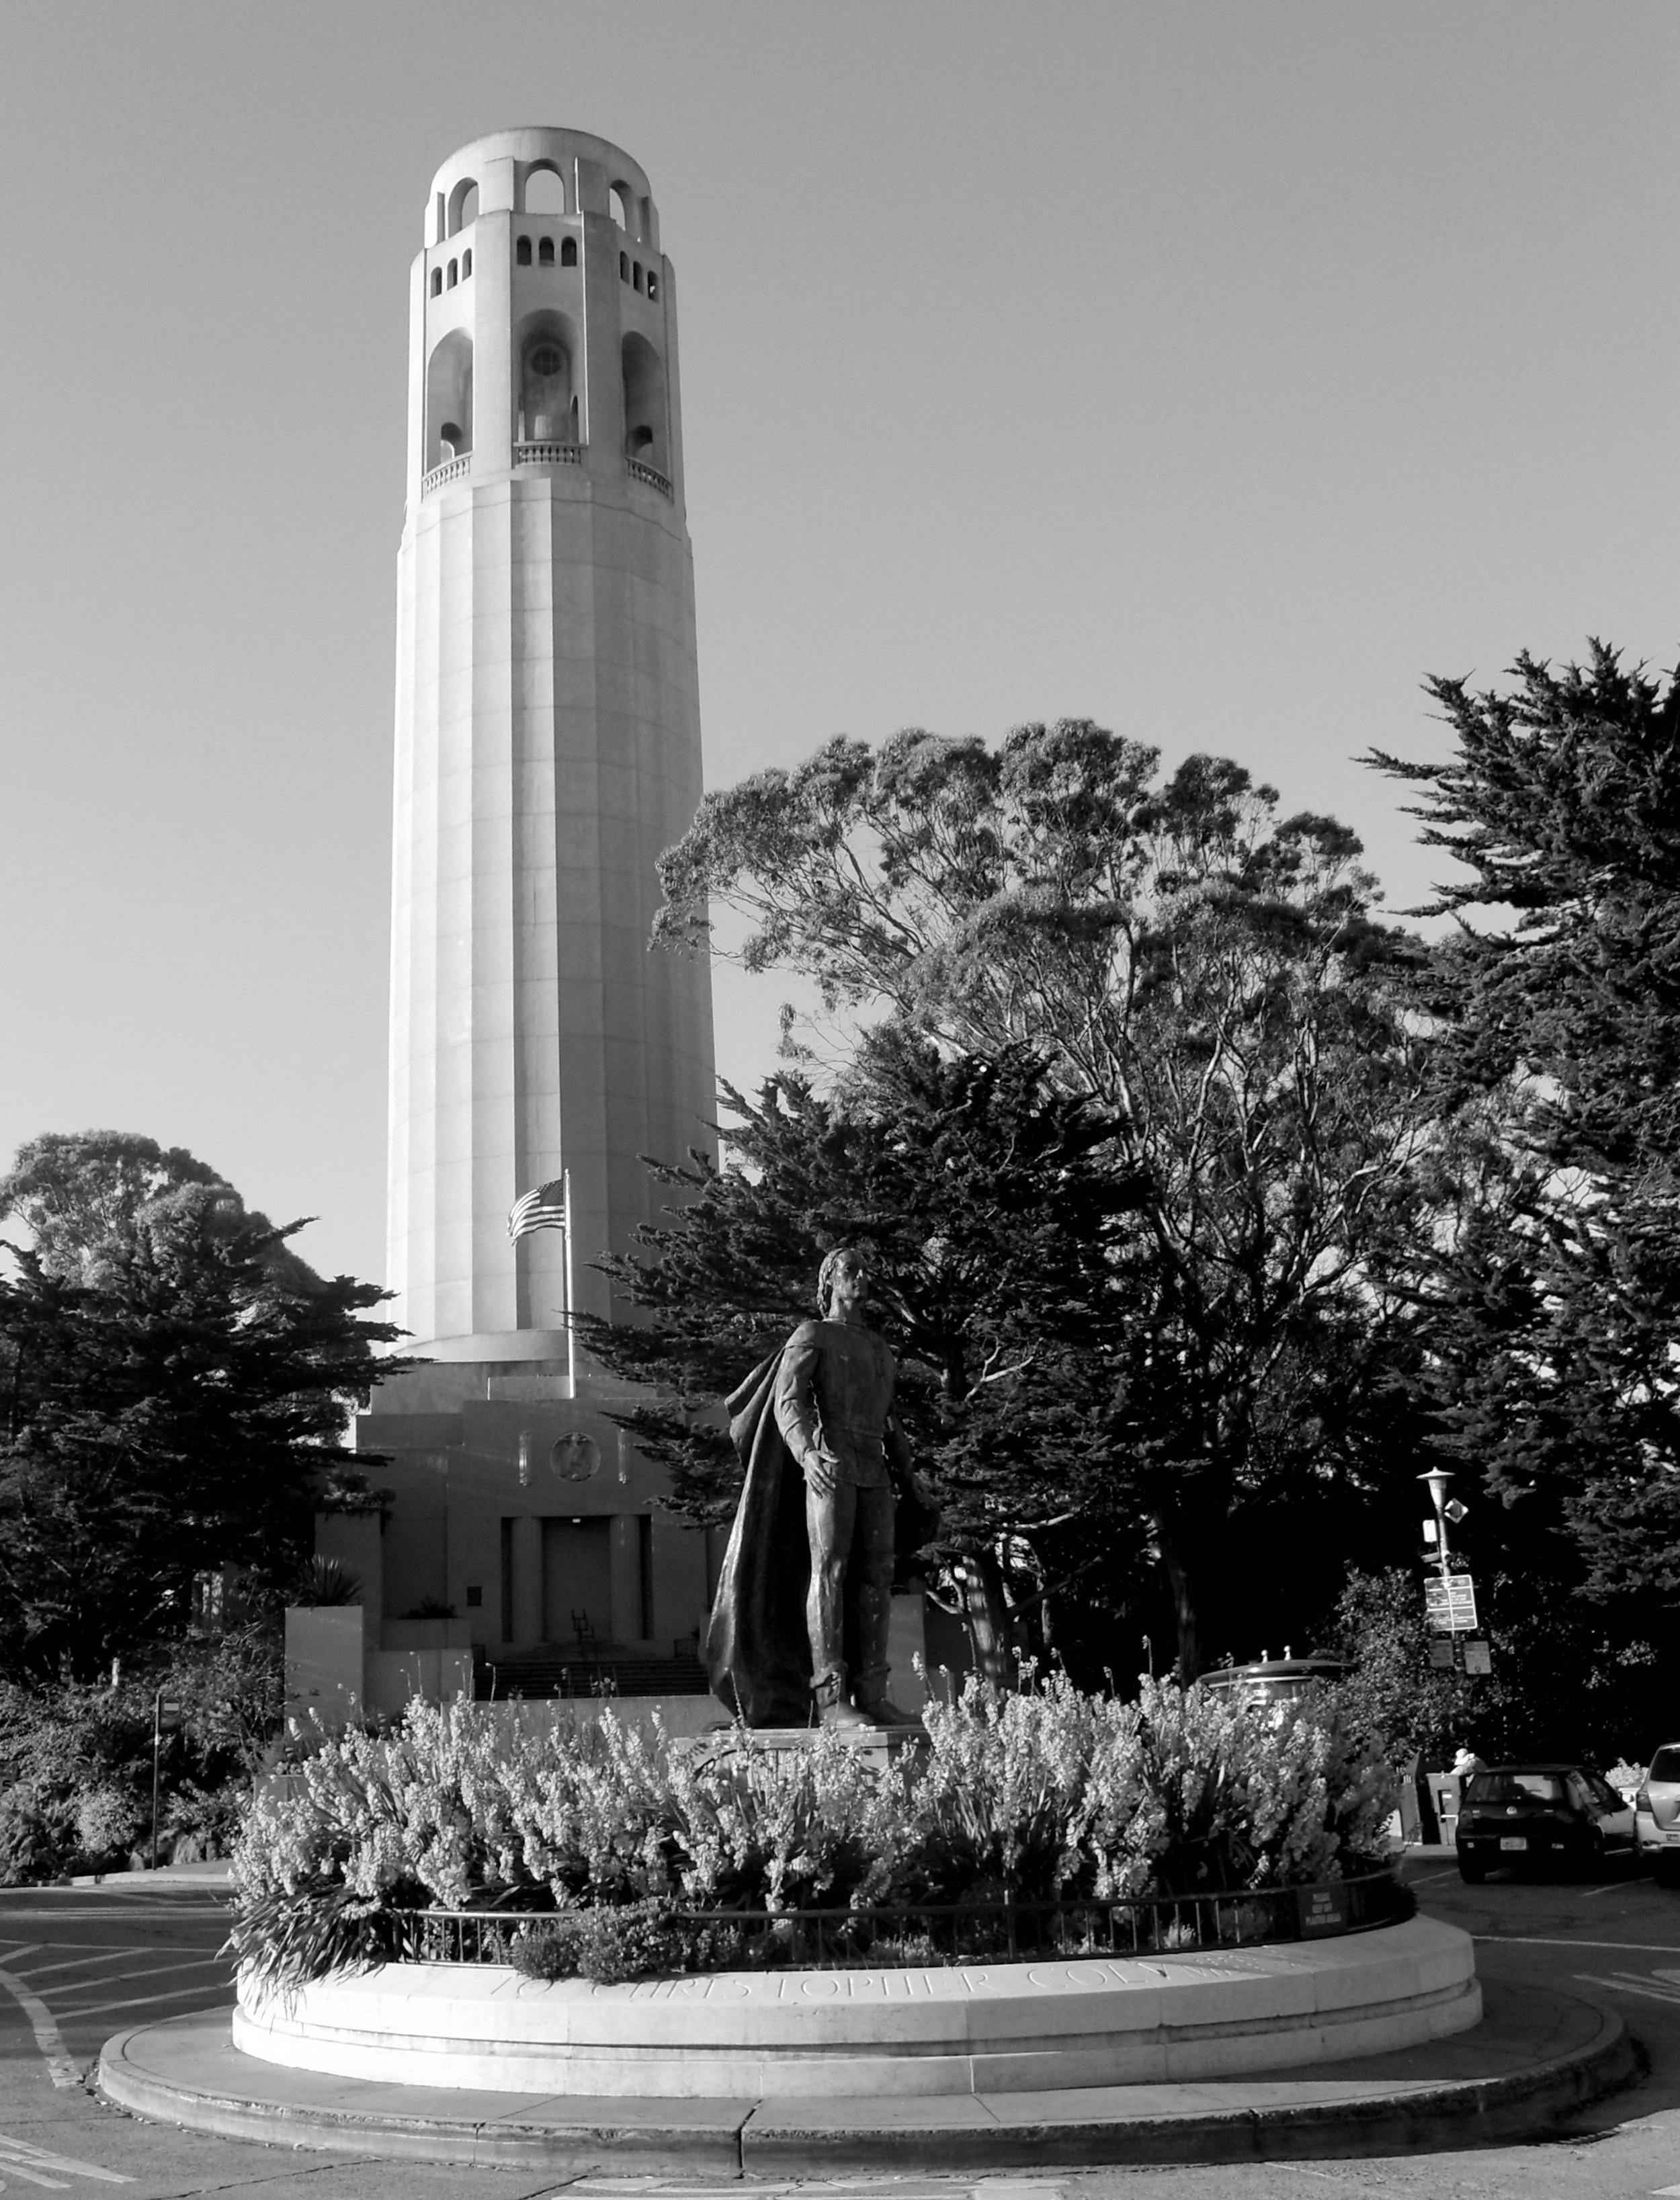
(77, 1965)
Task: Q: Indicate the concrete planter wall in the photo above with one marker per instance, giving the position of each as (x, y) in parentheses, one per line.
(994, 2028)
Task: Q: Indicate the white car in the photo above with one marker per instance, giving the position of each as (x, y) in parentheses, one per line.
(1657, 1812)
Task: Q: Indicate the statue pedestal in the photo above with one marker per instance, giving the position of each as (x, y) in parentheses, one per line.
(877, 1745)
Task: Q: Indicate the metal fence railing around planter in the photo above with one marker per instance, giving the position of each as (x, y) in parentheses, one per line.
(952, 1932)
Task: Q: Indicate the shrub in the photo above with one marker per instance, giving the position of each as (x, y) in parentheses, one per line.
(612, 1832)
(605, 1946)
(76, 1758)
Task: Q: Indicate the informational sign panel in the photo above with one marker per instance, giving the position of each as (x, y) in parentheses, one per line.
(1477, 1658)
(1450, 1604)
(1323, 1910)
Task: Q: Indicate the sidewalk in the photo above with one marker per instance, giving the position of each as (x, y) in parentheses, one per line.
(213, 1873)
(1536, 2057)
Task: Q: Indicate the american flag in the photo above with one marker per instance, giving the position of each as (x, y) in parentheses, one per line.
(542, 1209)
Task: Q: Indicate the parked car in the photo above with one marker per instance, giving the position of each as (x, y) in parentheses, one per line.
(1657, 1812)
(1275, 1680)
(1529, 1814)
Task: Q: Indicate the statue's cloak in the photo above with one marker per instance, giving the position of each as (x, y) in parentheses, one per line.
(758, 1652)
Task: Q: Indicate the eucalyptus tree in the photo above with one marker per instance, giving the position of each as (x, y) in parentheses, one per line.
(1207, 973)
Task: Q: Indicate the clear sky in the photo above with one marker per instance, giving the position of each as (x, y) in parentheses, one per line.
(1213, 368)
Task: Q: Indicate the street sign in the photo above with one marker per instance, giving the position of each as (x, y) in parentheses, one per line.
(1450, 1604)
(1441, 1653)
(1477, 1658)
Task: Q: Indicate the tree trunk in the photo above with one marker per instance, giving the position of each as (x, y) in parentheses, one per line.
(1191, 1537)
(1187, 1663)
(985, 1615)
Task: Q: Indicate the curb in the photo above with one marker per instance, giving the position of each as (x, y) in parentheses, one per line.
(735, 2139)
(1523, 2104)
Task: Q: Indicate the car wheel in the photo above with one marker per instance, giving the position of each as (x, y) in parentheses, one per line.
(1471, 1873)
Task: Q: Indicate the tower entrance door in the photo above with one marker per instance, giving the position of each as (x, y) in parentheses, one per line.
(576, 1577)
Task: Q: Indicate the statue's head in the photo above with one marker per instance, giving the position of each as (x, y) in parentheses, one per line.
(848, 1260)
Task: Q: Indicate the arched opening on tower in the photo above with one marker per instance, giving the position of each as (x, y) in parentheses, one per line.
(645, 437)
(547, 393)
(545, 189)
(463, 204)
(449, 400)
(545, 251)
(622, 201)
(568, 252)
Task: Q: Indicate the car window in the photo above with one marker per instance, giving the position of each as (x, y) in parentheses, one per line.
(1515, 1788)
(1602, 1792)
(1665, 1764)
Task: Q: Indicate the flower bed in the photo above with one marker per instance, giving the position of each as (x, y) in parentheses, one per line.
(639, 1939)
(1047, 1800)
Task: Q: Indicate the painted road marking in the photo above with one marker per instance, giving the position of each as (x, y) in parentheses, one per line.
(885, 2187)
(19, 2159)
(1624, 1984)
(145, 2001)
(60, 2068)
(1626, 1947)
(164, 1971)
(34, 1971)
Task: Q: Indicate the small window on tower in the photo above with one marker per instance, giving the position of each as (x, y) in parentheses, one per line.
(466, 266)
(636, 275)
(454, 273)
(545, 253)
(522, 252)
(568, 252)
(624, 267)
(437, 282)
(653, 284)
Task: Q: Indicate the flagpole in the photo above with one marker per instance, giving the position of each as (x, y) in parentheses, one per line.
(570, 1323)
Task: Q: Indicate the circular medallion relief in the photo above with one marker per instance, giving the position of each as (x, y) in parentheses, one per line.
(575, 1458)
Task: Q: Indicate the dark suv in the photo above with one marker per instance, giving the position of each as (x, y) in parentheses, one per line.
(1528, 1814)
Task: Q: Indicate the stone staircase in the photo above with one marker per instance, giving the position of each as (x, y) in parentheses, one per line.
(603, 1670)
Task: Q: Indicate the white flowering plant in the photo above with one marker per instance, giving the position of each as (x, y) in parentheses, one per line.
(1041, 1794)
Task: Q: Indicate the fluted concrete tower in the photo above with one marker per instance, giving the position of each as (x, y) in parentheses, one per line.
(547, 749)
(547, 743)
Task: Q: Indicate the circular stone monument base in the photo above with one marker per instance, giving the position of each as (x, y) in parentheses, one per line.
(969, 2028)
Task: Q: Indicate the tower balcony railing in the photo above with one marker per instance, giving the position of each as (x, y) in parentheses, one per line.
(651, 475)
(548, 454)
(451, 470)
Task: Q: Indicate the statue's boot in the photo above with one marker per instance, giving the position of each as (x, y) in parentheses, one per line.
(834, 1706)
(871, 1698)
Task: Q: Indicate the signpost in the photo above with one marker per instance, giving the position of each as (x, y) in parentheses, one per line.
(1450, 1604)
(166, 1711)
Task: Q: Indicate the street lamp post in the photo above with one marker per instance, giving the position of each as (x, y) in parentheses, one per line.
(1438, 1478)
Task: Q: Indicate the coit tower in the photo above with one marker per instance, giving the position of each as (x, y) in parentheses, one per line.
(547, 745)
